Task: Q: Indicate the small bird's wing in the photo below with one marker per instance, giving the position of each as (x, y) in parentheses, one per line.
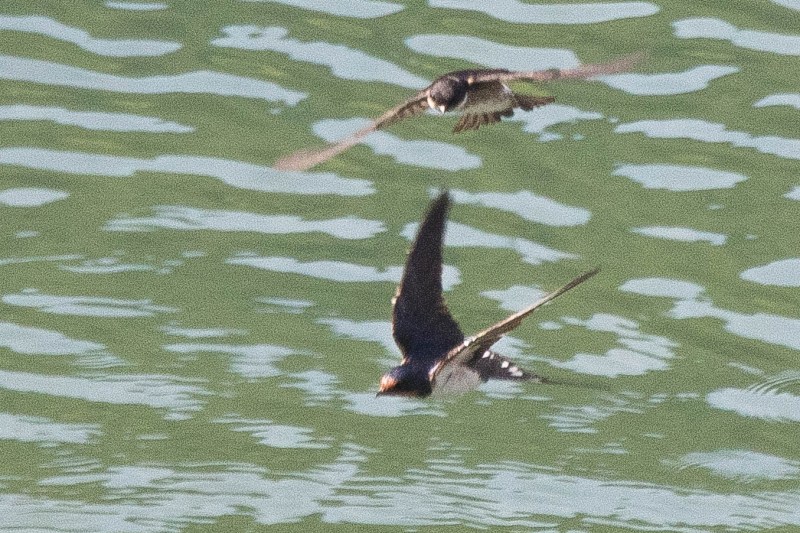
(416, 105)
(492, 365)
(472, 120)
(421, 323)
(621, 64)
(306, 159)
(487, 102)
(467, 350)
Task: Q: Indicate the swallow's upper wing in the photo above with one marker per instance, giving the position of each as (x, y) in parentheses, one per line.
(306, 159)
(422, 326)
(620, 64)
(467, 350)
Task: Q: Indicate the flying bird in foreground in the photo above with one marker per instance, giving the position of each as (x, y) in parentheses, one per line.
(481, 96)
(436, 356)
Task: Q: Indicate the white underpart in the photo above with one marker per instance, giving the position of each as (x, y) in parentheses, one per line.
(456, 379)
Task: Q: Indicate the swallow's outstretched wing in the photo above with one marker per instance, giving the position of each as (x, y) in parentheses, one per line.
(421, 323)
(477, 345)
(306, 159)
(621, 64)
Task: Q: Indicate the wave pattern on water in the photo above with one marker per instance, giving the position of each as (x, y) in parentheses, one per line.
(92, 120)
(200, 82)
(343, 61)
(234, 173)
(519, 12)
(104, 47)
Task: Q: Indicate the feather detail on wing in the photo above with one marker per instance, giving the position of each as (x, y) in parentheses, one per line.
(481, 342)
(306, 159)
(473, 121)
(492, 365)
(526, 103)
(421, 323)
(621, 64)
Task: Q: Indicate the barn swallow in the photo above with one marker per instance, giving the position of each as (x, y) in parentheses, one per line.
(436, 355)
(481, 97)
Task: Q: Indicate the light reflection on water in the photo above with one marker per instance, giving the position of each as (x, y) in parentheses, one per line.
(710, 132)
(343, 61)
(92, 120)
(219, 83)
(234, 173)
(519, 12)
(104, 47)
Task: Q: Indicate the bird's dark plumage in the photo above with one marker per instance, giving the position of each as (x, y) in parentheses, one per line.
(481, 95)
(436, 355)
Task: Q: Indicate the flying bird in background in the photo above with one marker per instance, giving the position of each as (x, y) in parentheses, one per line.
(436, 355)
(481, 96)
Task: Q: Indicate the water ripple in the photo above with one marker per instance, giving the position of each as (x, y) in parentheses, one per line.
(85, 305)
(252, 361)
(137, 6)
(92, 120)
(741, 465)
(527, 205)
(690, 303)
(537, 120)
(104, 47)
(702, 130)
(766, 405)
(782, 273)
(694, 79)
(577, 13)
(672, 233)
(791, 4)
(156, 391)
(378, 331)
(198, 82)
(234, 173)
(711, 28)
(30, 196)
(336, 270)
(44, 430)
(30, 340)
(491, 54)
(790, 99)
(276, 435)
(639, 353)
(362, 9)
(193, 219)
(679, 177)
(343, 61)
(461, 235)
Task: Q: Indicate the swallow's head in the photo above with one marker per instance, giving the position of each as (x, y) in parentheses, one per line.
(447, 93)
(405, 380)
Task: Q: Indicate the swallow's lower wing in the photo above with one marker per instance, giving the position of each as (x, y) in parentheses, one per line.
(480, 343)
(421, 323)
(306, 159)
(621, 64)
